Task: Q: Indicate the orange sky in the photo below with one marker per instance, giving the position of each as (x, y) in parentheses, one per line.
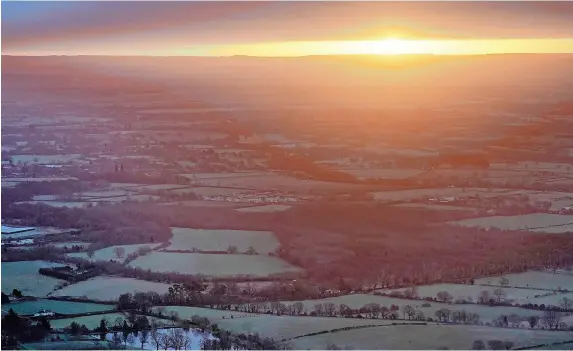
(285, 28)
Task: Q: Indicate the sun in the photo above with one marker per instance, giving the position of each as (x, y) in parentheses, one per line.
(387, 46)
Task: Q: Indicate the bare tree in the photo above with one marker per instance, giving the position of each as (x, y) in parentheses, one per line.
(298, 307)
(484, 297)
(155, 338)
(91, 253)
(408, 311)
(444, 296)
(330, 309)
(566, 303)
(499, 294)
(119, 252)
(496, 345)
(551, 319)
(130, 339)
(533, 320)
(116, 339)
(143, 337)
(503, 281)
(319, 309)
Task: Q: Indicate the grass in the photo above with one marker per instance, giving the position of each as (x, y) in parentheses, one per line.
(533, 279)
(63, 307)
(24, 276)
(486, 313)
(542, 221)
(264, 208)
(108, 253)
(214, 265)
(109, 288)
(456, 337)
(462, 291)
(220, 239)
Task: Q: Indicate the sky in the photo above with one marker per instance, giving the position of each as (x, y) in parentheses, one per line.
(262, 28)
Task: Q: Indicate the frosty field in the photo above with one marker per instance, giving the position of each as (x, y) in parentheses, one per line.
(455, 337)
(108, 253)
(213, 264)
(109, 288)
(220, 239)
(462, 291)
(541, 221)
(533, 279)
(264, 208)
(24, 276)
(63, 307)
(89, 321)
(486, 313)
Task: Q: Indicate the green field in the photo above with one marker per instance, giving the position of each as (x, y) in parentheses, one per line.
(213, 264)
(456, 337)
(220, 239)
(24, 276)
(109, 288)
(63, 307)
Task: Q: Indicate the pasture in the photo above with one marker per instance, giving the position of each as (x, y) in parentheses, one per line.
(220, 239)
(44, 159)
(264, 208)
(69, 204)
(534, 279)
(355, 301)
(157, 187)
(391, 173)
(109, 288)
(455, 337)
(89, 321)
(221, 265)
(63, 307)
(208, 191)
(137, 197)
(109, 253)
(533, 221)
(470, 293)
(24, 276)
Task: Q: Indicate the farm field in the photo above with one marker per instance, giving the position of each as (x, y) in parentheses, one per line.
(205, 203)
(187, 312)
(155, 187)
(37, 231)
(70, 204)
(108, 253)
(69, 345)
(109, 288)
(38, 179)
(436, 207)
(415, 194)
(137, 197)
(213, 264)
(208, 191)
(392, 173)
(63, 307)
(220, 239)
(108, 193)
(44, 159)
(24, 276)
(89, 321)
(486, 313)
(264, 208)
(533, 279)
(286, 327)
(276, 183)
(524, 222)
(455, 337)
(462, 291)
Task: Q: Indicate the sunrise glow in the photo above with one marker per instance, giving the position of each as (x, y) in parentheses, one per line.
(392, 46)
